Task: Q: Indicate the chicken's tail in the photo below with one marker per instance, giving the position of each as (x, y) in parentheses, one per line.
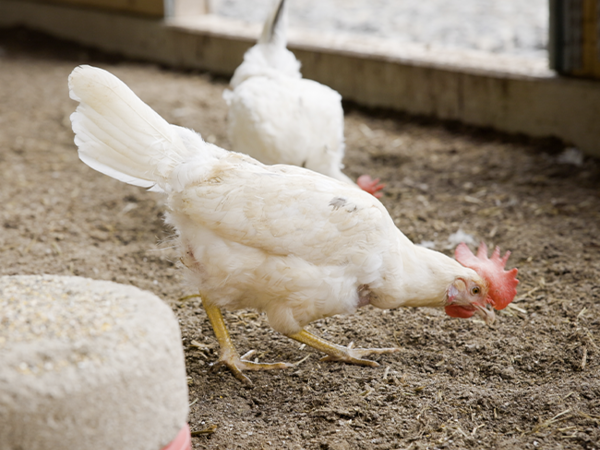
(120, 136)
(274, 29)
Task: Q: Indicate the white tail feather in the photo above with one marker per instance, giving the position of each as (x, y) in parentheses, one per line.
(119, 135)
(274, 29)
(269, 57)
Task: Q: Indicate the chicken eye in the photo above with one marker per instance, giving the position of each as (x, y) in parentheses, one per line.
(476, 290)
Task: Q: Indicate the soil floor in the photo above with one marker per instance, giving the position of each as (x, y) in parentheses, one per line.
(531, 381)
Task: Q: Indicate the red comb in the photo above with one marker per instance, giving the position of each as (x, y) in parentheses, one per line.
(502, 283)
(370, 185)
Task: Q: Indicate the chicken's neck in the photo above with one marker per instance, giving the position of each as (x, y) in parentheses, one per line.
(417, 277)
(266, 60)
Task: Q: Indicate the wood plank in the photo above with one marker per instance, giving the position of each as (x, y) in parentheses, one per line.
(155, 8)
(591, 55)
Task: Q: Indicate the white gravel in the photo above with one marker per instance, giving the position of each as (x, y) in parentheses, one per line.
(518, 27)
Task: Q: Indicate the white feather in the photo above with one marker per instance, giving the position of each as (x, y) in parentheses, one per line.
(120, 136)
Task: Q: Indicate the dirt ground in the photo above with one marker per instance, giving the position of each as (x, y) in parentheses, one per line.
(531, 381)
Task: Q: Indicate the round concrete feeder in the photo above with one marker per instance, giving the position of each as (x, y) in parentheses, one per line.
(89, 365)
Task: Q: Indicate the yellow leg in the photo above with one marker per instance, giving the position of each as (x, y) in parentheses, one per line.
(337, 352)
(228, 355)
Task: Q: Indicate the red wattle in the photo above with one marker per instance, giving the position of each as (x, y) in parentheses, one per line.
(459, 311)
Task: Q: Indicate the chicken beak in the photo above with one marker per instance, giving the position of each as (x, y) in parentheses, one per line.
(486, 313)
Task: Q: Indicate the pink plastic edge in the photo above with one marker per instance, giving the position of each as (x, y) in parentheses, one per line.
(183, 441)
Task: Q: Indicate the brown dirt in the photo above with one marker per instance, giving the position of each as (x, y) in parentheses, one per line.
(529, 382)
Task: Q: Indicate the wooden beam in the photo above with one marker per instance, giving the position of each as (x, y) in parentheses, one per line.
(591, 39)
(575, 37)
(152, 8)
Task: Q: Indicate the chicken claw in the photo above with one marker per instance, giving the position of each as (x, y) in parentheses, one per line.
(228, 356)
(238, 364)
(338, 353)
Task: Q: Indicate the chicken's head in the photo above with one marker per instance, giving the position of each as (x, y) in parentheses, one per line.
(494, 288)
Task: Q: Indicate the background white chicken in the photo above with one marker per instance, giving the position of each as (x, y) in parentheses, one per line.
(285, 240)
(278, 117)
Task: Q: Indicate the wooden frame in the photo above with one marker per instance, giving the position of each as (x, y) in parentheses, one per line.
(575, 37)
(154, 8)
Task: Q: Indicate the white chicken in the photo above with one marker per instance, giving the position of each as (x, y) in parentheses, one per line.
(285, 240)
(278, 117)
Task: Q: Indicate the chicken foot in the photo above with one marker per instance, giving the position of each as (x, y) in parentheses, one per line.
(338, 353)
(228, 355)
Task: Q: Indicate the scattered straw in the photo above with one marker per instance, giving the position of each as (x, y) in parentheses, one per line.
(526, 294)
(553, 420)
(187, 297)
(209, 430)
(516, 308)
(386, 372)
(477, 428)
